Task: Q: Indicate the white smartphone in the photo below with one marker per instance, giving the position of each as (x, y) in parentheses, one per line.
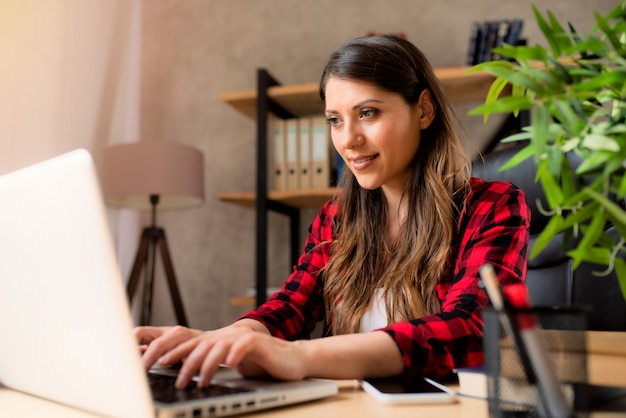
(400, 390)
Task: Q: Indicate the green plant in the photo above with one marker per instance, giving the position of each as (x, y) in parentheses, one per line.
(575, 90)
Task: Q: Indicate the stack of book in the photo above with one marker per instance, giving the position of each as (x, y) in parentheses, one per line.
(303, 156)
(485, 36)
(605, 363)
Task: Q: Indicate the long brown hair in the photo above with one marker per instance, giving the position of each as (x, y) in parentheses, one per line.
(360, 262)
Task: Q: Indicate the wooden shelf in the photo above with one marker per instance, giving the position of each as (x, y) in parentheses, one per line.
(246, 301)
(313, 198)
(304, 100)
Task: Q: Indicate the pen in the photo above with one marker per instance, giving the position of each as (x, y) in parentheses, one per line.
(524, 329)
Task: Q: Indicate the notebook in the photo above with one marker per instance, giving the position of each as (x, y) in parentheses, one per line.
(64, 316)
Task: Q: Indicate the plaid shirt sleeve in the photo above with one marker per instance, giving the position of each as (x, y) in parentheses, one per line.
(294, 311)
(493, 229)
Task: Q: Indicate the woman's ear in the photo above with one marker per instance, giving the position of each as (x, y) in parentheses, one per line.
(426, 108)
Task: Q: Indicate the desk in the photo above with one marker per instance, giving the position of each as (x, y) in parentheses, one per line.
(350, 402)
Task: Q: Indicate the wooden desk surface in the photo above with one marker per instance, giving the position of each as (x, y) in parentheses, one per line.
(351, 401)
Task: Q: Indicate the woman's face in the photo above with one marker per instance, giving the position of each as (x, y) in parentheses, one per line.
(375, 131)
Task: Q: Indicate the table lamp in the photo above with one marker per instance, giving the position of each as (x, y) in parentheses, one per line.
(147, 175)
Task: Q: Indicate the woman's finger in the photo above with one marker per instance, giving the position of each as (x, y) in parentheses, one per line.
(163, 344)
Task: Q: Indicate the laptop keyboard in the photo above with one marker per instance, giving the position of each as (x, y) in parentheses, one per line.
(163, 390)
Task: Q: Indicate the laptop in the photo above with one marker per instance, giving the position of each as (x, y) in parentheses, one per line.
(64, 317)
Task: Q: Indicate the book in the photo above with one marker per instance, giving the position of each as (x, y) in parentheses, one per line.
(503, 30)
(320, 153)
(605, 358)
(293, 153)
(472, 381)
(279, 158)
(472, 49)
(306, 162)
(484, 36)
(482, 48)
(514, 33)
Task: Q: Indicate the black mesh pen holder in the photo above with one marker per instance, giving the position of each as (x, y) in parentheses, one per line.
(562, 334)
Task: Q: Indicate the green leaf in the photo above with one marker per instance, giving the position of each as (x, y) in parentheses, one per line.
(540, 120)
(488, 65)
(523, 53)
(595, 160)
(616, 211)
(560, 36)
(585, 249)
(517, 77)
(563, 71)
(555, 158)
(547, 32)
(620, 270)
(504, 105)
(604, 27)
(546, 81)
(622, 187)
(551, 229)
(595, 255)
(521, 136)
(589, 46)
(519, 157)
(554, 194)
(583, 196)
(613, 79)
(494, 92)
(564, 112)
(599, 142)
(593, 230)
(568, 180)
(580, 216)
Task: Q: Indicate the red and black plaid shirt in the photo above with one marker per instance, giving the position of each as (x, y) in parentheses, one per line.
(493, 229)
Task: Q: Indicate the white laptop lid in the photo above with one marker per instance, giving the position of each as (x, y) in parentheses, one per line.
(64, 317)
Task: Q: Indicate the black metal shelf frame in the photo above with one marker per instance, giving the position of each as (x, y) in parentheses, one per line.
(265, 105)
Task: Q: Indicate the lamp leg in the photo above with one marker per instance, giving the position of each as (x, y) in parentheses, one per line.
(171, 280)
(148, 286)
(140, 260)
(146, 248)
(152, 237)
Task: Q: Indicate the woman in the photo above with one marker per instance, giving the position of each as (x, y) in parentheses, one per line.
(391, 263)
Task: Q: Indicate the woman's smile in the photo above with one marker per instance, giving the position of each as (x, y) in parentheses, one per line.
(362, 162)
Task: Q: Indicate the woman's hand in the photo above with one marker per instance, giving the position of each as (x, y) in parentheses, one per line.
(250, 352)
(248, 347)
(245, 346)
(156, 341)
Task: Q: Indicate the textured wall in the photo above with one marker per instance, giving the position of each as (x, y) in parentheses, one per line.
(194, 50)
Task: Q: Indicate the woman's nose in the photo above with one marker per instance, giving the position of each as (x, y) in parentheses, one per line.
(350, 136)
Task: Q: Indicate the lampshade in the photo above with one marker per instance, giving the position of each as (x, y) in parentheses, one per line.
(132, 172)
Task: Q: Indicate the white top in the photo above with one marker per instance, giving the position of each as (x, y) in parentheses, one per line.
(376, 315)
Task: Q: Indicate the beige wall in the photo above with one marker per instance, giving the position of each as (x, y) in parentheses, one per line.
(65, 82)
(69, 78)
(62, 77)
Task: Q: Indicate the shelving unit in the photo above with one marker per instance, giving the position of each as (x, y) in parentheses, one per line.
(298, 101)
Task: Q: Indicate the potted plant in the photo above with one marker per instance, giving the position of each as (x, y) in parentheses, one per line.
(575, 91)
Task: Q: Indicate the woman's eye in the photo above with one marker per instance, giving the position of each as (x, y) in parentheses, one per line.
(368, 113)
(332, 120)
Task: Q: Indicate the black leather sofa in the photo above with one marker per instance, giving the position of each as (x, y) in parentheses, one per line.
(551, 279)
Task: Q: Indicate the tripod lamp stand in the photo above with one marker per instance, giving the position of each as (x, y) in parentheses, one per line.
(151, 175)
